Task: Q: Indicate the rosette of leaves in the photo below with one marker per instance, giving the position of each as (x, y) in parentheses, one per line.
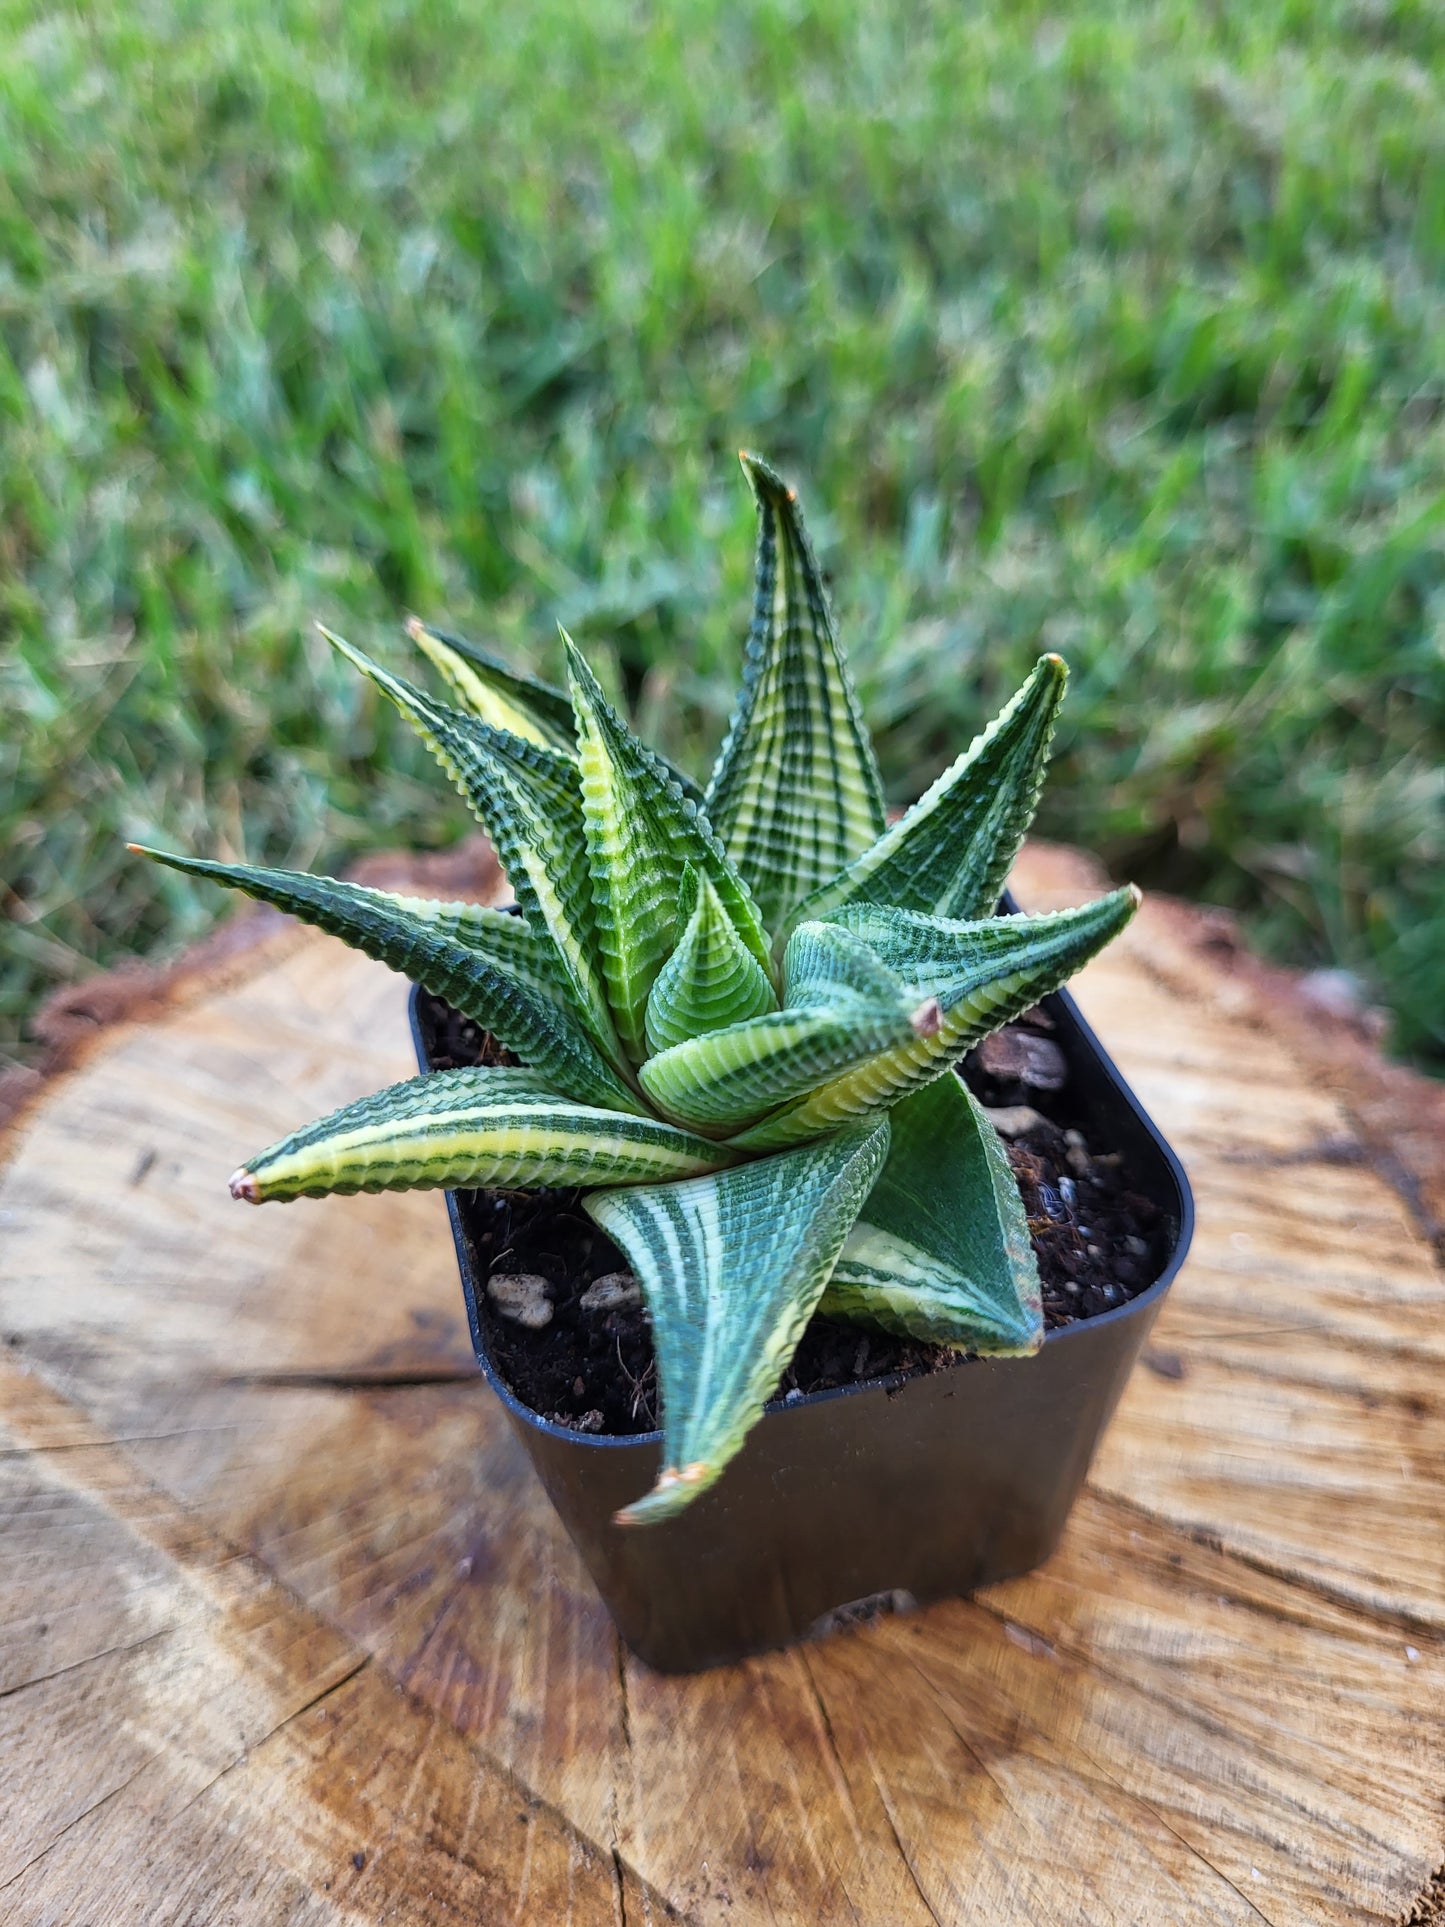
(737, 1012)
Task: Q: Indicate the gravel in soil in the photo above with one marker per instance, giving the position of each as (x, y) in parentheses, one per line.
(1098, 1242)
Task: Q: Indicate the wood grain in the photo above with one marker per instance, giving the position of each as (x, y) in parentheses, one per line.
(278, 1589)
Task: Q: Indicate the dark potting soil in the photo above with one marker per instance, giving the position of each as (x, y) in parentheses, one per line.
(590, 1366)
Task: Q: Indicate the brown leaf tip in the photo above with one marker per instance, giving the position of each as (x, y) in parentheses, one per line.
(244, 1187)
(415, 628)
(1136, 895)
(927, 1020)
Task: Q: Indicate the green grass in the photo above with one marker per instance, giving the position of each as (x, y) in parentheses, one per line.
(1116, 329)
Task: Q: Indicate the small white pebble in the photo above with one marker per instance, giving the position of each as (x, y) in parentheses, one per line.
(1255, 1874)
(611, 1293)
(1136, 1247)
(792, 1398)
(522, 1297)
(1074, 1139)
(1013, 1120)
(1069, 1285)
(1412, 1653)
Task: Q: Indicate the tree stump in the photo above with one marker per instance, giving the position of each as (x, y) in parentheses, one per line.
(290, 1633)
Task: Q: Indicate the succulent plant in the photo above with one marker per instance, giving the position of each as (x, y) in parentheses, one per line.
(736, 1013)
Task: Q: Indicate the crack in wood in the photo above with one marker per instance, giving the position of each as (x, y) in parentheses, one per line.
(1398, 1617)
(1088, 1663)
(361, 1378)
(831, 1742)
(903, 1854)
(104, 1445)
(1105, 1778)
(85, 1814)
(90, 1659)
(253, 1747)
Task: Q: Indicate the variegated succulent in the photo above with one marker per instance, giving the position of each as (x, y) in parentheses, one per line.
(737, 1012)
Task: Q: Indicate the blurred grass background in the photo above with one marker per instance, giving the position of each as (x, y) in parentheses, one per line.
(1114, 329)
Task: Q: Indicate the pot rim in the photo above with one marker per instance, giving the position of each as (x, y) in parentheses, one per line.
(1061, 1335)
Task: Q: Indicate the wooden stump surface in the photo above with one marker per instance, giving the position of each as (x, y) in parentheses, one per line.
(288, 1632)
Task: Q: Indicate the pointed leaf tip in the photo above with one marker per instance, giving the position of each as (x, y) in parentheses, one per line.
(950, 855)
(795, 794)
(778, 1223)
(670, 1494)
(243, 1187)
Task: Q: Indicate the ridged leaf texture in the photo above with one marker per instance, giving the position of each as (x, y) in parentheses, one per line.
(842, 1007)
(490, 966)
(720, 1002)
(711, 979)
(796, 793)
(941, 1248)
(731, 1268)
(980, 974)
(486, 688)
(641, 833)
(526, 798)
(951, 854)
(502, 1128)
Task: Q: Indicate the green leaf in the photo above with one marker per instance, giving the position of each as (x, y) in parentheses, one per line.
(711, 979)
(501, 1128)
(641, 832)
(486, 688)
(796, 793)
(528, 801)
(950, 855)
(842, 1006)
(941, 1250)
(825, 964)
(489, 965)
(731, 1267)
(980, 974)
(724, 1081)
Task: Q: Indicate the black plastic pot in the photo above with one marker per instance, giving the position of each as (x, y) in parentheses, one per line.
(928, 1486)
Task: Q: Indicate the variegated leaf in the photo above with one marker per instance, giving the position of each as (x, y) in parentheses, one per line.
(492, 967)
(463, 1128)
(528, 801)
(731, 1267)
(824, 964)
(950, 855)
(980, 974)
(842, 1006)
(796, 793)
(711, 979)
(641, 832)
(724, 1081)
(941, 1249)
(487, 688)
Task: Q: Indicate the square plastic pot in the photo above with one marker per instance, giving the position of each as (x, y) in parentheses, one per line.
(928, 1486)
